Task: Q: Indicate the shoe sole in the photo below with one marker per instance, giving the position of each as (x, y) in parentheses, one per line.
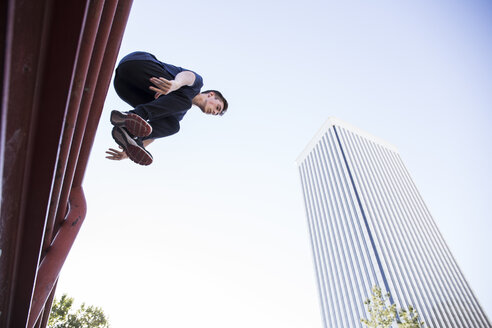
(136, 125)
(136, 153)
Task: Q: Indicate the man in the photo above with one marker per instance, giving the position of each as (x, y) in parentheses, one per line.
(160, 95)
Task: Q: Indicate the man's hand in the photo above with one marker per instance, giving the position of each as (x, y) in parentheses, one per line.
(163, 86)
(116, 155)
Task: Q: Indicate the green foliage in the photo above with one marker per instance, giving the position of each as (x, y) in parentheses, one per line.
(409, 318)
(63, 316)
(383, 313)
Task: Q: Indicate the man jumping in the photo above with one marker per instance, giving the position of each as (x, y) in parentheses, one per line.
(160, 95)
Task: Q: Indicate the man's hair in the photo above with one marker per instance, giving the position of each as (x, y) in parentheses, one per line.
(219, 96)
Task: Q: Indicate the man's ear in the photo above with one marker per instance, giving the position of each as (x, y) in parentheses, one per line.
(211, 94)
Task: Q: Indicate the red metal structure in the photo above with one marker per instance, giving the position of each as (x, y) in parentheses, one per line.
(57, 61)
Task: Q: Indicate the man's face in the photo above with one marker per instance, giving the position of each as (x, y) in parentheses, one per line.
(213, 106)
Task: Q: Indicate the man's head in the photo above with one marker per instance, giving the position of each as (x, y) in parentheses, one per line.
(215, 103)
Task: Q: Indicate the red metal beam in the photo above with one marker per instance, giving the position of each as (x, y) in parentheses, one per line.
(66, 21)
(53, 261)
(87, 45)
(4, 73)
(101, 89)
(78, 119)
(86, 104)
(47, 308)
(54, 83)
(26, 27)
(111, 27)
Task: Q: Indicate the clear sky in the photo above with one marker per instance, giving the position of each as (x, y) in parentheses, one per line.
(214, 234)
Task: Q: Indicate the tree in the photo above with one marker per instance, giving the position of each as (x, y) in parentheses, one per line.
(383, 313)
(409, 318)
(63, 316)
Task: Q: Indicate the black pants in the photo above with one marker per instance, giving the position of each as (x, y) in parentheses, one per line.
(132, 84)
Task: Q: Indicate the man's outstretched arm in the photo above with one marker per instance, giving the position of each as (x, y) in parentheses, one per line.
(164, 86)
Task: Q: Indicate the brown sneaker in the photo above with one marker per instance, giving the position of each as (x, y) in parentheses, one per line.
(135, 125)
(134, 149)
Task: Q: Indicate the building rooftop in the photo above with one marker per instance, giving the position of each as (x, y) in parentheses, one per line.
(333, 121)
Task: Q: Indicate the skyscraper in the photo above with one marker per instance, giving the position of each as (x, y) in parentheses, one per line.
(369, 226)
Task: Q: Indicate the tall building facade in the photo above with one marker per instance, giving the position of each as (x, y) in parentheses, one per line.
(369, 226)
